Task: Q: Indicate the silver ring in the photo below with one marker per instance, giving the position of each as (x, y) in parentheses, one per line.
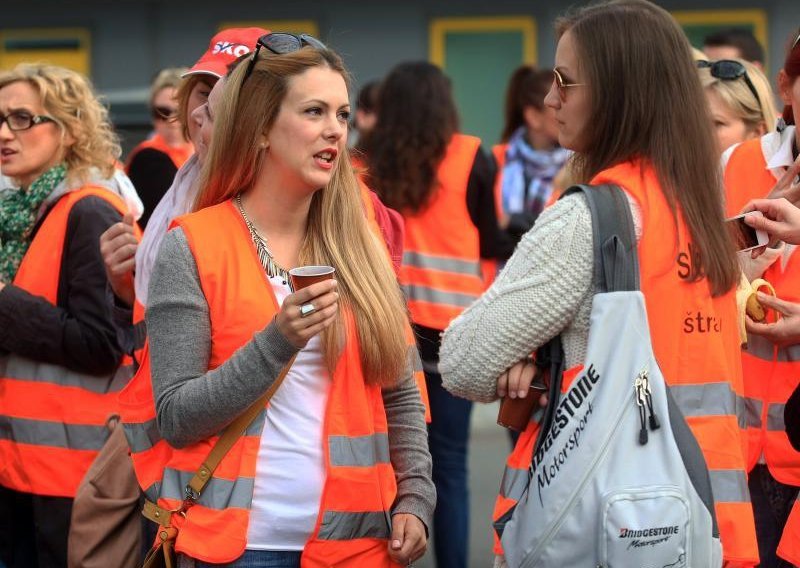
(307, 310)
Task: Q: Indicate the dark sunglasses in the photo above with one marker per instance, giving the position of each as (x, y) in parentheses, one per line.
(281, 43)
(164, 113)
(729, 70)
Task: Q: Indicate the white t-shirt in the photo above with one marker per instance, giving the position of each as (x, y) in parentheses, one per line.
(290, 471)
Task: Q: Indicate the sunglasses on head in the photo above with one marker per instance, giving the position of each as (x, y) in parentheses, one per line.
(164, 113)
(796, 41)
(729, 70)
(281, 43)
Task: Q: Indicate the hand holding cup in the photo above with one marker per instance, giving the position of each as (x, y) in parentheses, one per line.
(312, 307)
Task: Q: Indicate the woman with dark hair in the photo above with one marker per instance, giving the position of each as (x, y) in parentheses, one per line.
(640, 123)
(529, 157)
(441, 182)
(771, 358)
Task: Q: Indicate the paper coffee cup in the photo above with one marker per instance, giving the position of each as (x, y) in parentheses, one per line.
(303, 276)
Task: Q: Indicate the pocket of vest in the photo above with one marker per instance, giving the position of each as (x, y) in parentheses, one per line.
(645, 527)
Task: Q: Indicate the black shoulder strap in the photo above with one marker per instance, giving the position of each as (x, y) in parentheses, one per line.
(616, 264)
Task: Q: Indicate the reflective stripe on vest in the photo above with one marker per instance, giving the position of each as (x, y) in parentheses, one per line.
(359, 483)
(441, 271)
(771, 373)
(53, 420)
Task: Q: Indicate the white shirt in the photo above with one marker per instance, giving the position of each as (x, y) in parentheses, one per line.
(290, 470)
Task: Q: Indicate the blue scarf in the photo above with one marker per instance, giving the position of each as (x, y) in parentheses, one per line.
(528, 174)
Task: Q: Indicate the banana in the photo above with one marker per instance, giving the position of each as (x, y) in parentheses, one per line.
(754, 309)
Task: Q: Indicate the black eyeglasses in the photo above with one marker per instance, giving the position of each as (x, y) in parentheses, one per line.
(729, 70)
(281, 43)
(17, 120)
(164, 113)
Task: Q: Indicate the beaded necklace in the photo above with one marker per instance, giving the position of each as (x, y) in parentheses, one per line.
(271, 267)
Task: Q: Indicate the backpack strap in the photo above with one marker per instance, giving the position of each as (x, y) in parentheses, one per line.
(616, 269)
(616, 263)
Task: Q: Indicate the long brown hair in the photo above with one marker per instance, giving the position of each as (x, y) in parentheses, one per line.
(338, 233)
(417, 117)
(792, 69)
(647, 102)
(527, 87)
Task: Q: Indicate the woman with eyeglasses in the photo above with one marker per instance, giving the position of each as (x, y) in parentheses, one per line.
(60, 359)
(640, 123)
(336, 470)
(770, 361)
(740, 99)
(152, 165)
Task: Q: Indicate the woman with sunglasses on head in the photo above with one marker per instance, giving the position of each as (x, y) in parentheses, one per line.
(441, 182)
(740, 99)
(152, 165)
(770, 361)
(336, 470)
(640, 123)
(60, 359)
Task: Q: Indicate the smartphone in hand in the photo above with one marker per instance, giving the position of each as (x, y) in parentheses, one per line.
(745, 236)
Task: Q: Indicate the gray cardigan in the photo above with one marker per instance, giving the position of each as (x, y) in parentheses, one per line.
(193, 403)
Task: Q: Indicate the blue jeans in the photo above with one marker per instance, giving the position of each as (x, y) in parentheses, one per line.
(259, 559)
(772, 503)
(448, 437)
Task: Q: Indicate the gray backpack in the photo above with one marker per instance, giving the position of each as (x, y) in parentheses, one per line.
(617, 479)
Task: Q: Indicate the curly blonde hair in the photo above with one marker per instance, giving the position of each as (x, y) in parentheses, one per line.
(69, 99)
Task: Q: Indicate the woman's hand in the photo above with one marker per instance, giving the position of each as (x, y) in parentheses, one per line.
(319, 301)
(785, 331)
(788, 187)
(408, 542)
(516, 381)
(755, 267)
(118, 246)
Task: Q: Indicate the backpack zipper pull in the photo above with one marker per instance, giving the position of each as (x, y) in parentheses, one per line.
(638, 386)
(654, 423)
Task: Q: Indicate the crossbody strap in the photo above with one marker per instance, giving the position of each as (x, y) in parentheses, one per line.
(224, 443)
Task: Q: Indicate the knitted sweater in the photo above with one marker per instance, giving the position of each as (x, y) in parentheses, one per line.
(546, 288)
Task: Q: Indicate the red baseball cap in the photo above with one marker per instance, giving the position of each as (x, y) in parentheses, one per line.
(225, 48)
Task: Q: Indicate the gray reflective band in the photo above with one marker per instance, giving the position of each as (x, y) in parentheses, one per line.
(142, 437)
(729, 486)
(358, 451)
(775, 421)
(789, 354)
(753, 408)
(760, 347)
(514, 483)
(139, 335)
(341, 525)
(442, 263)
(15, 367)
(218, 493)
(53, 434)
(710, 399)
(434, 296)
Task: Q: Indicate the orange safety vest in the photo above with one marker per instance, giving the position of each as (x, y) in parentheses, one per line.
(694, 339)
(789, 546)
(441, 271)
(354, 520)
(489, 266)
(53, 419)
(771, 373)
(178, 154)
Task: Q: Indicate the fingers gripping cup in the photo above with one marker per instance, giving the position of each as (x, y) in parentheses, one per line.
(304, 276)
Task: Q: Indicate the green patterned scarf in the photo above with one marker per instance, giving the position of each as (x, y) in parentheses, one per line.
(18, 211)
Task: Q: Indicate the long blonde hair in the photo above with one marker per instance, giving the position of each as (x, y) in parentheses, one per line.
(338, 233)
(67, 96)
